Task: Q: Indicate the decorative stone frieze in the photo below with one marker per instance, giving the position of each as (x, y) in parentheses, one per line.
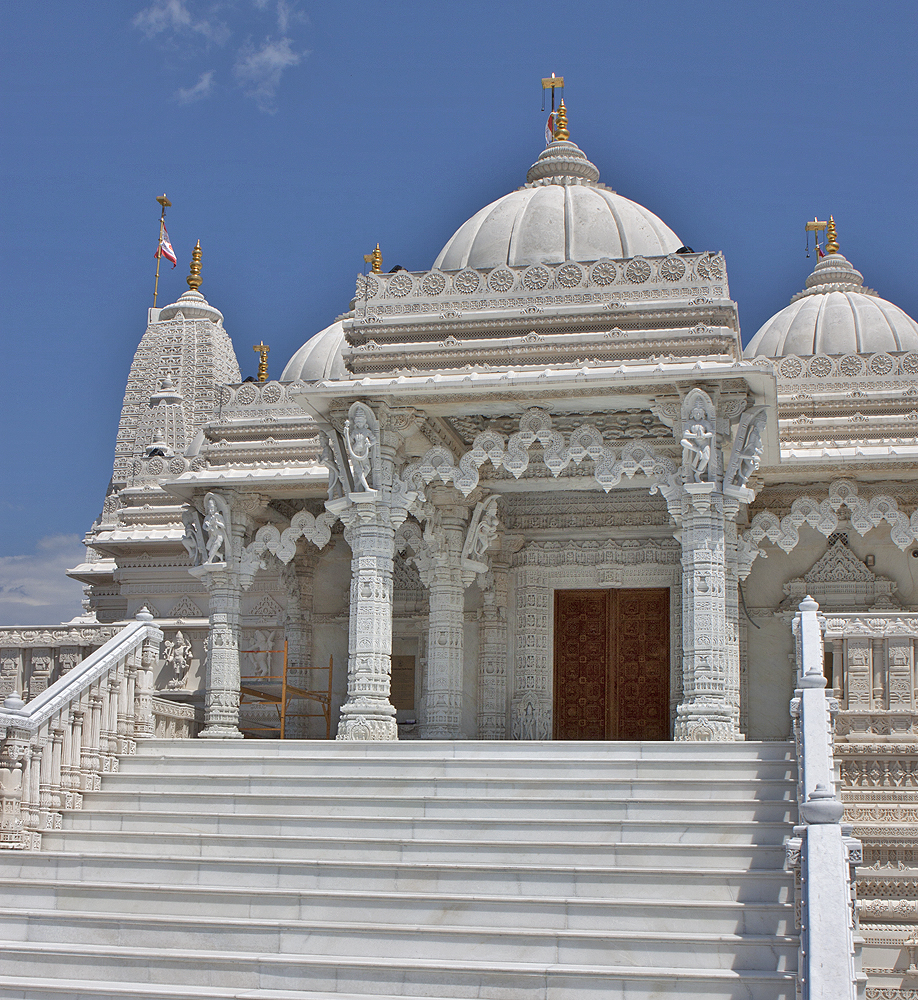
(822, 513)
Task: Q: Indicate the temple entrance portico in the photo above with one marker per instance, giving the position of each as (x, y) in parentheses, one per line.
(462, 486)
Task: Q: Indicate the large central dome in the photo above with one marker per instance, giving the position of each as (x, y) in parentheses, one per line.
(562, 213)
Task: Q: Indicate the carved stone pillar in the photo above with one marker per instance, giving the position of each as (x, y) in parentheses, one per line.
(442, 718)
(709, 699)
(372, 507)
(297, 578)
(731, 600)
(221, 697)
(531, 706)
(492, 655)
(367, 714)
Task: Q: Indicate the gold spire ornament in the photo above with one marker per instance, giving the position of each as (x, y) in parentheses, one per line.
(194, 279)
(831, 237)
(815, 227)
(374, 259)
(561, 132)
(262, 349)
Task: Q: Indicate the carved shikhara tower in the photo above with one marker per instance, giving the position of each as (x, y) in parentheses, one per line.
(527, 494)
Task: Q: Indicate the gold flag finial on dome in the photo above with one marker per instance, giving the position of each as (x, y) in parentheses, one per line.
(831, 237)
(374, 259)
(561, 132)
(194, 279)
(262, 348)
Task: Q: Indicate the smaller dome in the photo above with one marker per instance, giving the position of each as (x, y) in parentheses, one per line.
(319, 358)
(835, 314)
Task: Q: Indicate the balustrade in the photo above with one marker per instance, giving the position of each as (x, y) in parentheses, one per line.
(873, 672)
(58, 745)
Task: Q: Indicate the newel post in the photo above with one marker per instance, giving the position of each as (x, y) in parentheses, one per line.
(821, 853)
(13, 748)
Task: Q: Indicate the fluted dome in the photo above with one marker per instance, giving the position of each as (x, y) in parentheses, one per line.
(835, 314)
(319, 358)
(562, 213)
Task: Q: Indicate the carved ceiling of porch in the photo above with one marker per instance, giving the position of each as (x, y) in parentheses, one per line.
(616, 425)
(567, 510)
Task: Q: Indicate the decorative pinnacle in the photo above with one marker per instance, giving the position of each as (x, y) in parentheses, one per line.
(194, 279)
(375, 260)
(831, 237)
(262, 348)
(561, 132)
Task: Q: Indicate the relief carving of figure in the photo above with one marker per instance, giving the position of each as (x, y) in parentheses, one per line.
(193, 539)
(697, 444)
(748, 457)
(359, 440)
(260, 656)
(216, 529)
(335, 486)
(177, 657)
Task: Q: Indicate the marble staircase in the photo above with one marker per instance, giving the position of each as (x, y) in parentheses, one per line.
(271, 870)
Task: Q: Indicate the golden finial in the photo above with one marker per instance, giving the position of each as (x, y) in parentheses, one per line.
(375, 260)
(262, 349)
(561, 132)
(194, 279)
(831, 237)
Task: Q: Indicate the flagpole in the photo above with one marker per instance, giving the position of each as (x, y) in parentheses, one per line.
(164, 201)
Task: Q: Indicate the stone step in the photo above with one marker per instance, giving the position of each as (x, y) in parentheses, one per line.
(201, 811)
(442, 909)
(238, 885)
(500, 751)
(597, 830)
(374, 977)
(627, 845)
(407, 939)
(627, 983)
(608, 788)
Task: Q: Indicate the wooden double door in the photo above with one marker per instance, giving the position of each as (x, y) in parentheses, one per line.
(612, 663)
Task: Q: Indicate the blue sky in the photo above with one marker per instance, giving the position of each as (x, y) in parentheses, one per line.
(292, 136)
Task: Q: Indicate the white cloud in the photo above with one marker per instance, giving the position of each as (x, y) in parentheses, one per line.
(259, 71)
(199, 91)
(34, 589)
(174, 17)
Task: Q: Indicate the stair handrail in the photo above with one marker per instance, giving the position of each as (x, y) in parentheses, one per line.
(822, 854)
(59, 744)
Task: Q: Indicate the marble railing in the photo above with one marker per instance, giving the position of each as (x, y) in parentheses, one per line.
(32, 657)
(59, 744)
(873, 673)
(821, 853)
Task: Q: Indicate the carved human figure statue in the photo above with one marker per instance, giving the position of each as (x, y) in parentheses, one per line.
(750, 455)
(485, 532)
(193, 539)
(697, 443)
(359, 440)
(335, 486)
(216, 529)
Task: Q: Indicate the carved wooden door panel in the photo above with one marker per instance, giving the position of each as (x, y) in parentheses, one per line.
(611, 664)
